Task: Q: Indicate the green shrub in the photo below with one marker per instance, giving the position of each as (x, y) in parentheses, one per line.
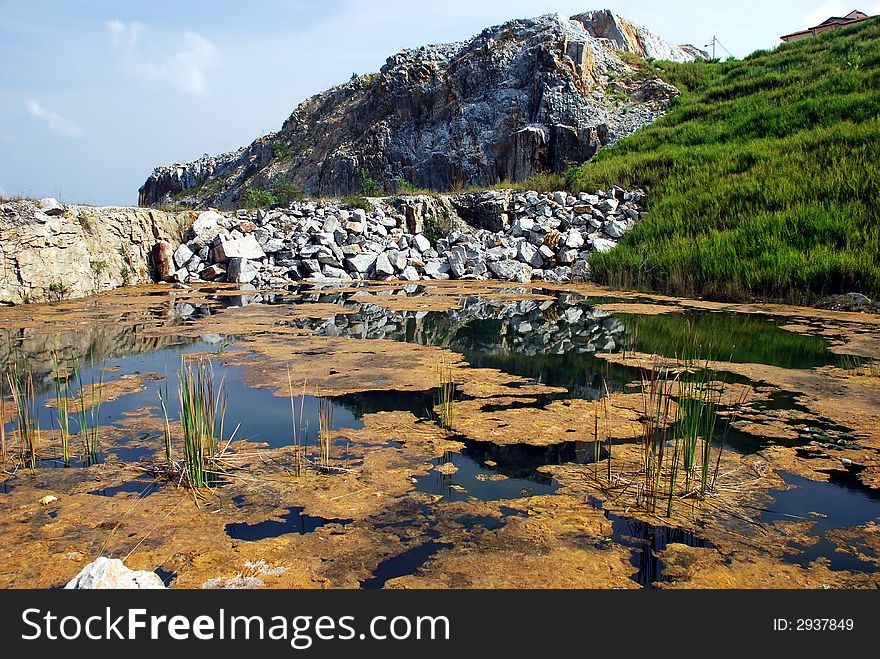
(281, 151)
(357, 201)
(368, 185)
(402, 186)
(285, 192)
(256, 198)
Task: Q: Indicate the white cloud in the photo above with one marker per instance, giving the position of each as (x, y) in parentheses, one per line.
(837, 8)
(54, 121)
(184, 65)
(2, 193)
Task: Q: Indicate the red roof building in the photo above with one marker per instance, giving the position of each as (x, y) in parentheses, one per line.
(831, 24)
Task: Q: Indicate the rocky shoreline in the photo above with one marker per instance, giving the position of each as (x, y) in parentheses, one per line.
(506, 235)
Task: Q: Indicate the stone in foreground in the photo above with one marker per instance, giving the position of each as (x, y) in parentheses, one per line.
(111, 573)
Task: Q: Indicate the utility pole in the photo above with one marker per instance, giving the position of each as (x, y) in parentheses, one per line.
(715, 43)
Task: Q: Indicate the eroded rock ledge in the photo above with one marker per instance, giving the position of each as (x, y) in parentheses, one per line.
(51, 251)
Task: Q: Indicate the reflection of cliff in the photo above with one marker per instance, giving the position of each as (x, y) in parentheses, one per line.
(35, 349)
(487, 327)
(550, 341)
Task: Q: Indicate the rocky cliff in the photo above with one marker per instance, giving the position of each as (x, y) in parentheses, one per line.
(51, 251)
(519, 98)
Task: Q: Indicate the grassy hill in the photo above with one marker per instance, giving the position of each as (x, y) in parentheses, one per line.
(764, 177)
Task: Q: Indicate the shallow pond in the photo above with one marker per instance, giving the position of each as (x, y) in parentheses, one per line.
(537, 337)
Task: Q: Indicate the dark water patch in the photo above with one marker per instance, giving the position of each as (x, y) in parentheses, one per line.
(132, 454)
(745, 443)
(521, 461)
(403, 564)
(166, 576)
(780, 400)
(474, 479)
(141, 487)
(7, 486)
(53, 513)
(507, 511)
(486, 522)
(840, 503)
(841, 560)
(418, 403)
(822, 430)
(728, 336)
(647, 540)
(293, 521)
(75, 462)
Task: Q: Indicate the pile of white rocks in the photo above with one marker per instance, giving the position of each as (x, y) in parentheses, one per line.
(545, 237)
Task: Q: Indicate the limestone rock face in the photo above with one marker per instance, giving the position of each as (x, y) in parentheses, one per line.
(527, 96)
(629, 37)
(81, 251)
(111, 573)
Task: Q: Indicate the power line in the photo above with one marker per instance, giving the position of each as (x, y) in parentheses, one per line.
(714, 43)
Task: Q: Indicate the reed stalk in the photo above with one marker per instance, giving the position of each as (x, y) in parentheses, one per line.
(27, 416)
(62, 407)
(606, 404)
(167, 428)
(202, 412)
(325, 423)
(89, 413)
(297, 446)
(445, 394)
(3, 426)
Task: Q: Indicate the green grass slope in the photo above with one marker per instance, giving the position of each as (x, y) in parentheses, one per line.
(763, 178)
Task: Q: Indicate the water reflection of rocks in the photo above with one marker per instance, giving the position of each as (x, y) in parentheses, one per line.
(490, 326)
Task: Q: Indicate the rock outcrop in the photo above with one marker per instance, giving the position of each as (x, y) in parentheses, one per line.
(111, 573)
(496, 234)
(50, 251)
(519, 98)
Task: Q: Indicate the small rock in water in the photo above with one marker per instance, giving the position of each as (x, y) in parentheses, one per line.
(111, 573)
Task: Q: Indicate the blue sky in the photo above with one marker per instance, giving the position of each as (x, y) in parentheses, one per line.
(95, 94)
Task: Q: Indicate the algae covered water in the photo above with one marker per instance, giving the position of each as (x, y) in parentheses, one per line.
(514, 469)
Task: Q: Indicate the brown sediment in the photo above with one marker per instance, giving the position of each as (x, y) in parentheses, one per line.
(690, 567)
(863, 542)
(553, 547)
(560, 421)
(167, 528)
(638, 308)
